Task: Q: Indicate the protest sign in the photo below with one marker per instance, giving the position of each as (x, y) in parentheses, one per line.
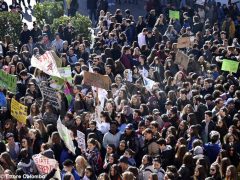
(183, 42)
(46, 63)
(50, 94)
(65, 135)
(66, 73)
(148, 83)
(8, 81)
(18, 111)
(230, 65)
(174, 14)
(44, 164)
(182, 59)
(97, 80)
(57, 59)
(81, 140)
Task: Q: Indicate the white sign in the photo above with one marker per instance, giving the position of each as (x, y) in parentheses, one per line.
(44, 164)
(81, 140)
(46, 63)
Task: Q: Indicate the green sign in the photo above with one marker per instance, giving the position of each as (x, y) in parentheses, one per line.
(174, 14)
(8, 81)
(230, 65)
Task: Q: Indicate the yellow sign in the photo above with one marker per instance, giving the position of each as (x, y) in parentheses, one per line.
(19, 111)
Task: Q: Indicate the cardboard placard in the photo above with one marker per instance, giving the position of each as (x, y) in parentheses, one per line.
(230, 65)
(97, 80)
(8, 81)
(44, 164)
(182, 59)
(18, 111)
(50, 95)
(183, 42)
(174, 14)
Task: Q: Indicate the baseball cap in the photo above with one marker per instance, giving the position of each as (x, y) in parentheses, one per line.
(129, 126)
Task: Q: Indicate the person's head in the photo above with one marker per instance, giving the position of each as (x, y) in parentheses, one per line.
(55, 138)
(208, 116)
(199, 172)
(81, 162)
(128, 176)
(68, 176)
(123, 162)
(113, 126)
(89, 172)
(157, 162)
(188, 159)
(5, 158)
(103, 176)
(68, 165)
(148, 134)
(231, 172)
(92, 143)
(214, 170)
(92, 125)
(122, 145)
(10, 138)
(162, 143)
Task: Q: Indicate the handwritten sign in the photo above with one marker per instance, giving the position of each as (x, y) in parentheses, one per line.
(182, 59)
(19, 111)
(44, 164)
(174, 14)
(81, 140)
(8, 81)
(183, 42)
(66, 73)
(230, 65)
(97, 80)
(50, 95)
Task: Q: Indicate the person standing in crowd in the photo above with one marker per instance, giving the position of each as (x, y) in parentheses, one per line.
(161, 115)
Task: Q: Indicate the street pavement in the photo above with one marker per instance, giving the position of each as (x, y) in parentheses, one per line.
(136, 9)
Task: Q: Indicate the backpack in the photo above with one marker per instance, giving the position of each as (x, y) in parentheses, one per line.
(99, 163)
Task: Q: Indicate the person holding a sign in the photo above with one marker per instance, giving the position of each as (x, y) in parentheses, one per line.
(171, 33)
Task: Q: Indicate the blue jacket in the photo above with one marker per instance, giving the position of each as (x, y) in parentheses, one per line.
(74, 173)
(212, 151)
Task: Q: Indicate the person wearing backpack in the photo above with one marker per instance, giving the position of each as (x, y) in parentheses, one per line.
(158, 169)
(146, 168)
(93, 155)
(26, 164)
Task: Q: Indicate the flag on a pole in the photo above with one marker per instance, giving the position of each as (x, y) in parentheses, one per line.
(46, 63)
(65, 135)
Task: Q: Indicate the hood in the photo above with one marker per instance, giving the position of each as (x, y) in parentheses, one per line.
(24, 164)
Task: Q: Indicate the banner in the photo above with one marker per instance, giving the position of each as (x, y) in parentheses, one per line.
(81, 140)
(46, 63)
(65, 135)
(183, 42)
(97, 80)
(230, 65)
(18, 111)
(8, 81)
(50, 94)
(182, 59)
(174, 14)
(66, 74)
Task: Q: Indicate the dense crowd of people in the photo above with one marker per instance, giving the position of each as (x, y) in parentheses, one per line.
(185, 126)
